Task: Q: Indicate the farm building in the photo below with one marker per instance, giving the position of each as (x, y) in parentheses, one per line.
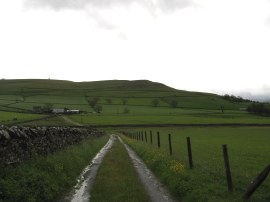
(72, 111)
(58, 111)
(65, 111)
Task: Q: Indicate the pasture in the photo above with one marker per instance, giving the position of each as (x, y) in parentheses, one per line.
(47, 178)
(248, 149)
(124, 102)
(160, 116)
(13, 117)
(132, 103)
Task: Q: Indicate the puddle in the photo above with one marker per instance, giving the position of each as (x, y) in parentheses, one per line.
(156, 191)
(86, 180)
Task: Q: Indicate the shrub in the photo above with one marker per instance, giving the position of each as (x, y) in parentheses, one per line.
(259, 108)
(155, 102)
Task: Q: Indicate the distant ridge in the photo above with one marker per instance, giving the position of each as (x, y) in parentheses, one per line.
(18, 85)
(115, 96)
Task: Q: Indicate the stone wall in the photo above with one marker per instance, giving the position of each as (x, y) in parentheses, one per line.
(21, 143)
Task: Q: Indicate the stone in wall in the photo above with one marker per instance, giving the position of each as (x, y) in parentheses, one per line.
(18, 143)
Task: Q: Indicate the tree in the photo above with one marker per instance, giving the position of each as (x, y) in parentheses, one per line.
(98, 108)
(233, 98)
(93, 102)
(155, 102)
(259, 108)
(174, 103)
(126, 111)
(222, 108)
(48, 107)
(124, 101)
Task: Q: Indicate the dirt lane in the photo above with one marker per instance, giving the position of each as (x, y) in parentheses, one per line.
(66, 119)
(156, 190)
(81, 192)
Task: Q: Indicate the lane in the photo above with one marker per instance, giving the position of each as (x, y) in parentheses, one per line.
(117, 179)
(66, 119)
(81, 192)
(156, 190)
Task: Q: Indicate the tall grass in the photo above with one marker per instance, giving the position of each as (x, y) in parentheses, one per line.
(47, 178)
(248, 153)
(117, 179)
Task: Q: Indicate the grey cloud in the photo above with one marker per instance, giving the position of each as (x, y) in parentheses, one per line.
(268, 21)
(261, 94)
(57, 4)
(94, 7)
(76, 4)
(102, 22)
(163, 5)
(257, 97)
(170, 5)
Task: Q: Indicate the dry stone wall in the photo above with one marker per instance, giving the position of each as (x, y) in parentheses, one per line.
(19, 143)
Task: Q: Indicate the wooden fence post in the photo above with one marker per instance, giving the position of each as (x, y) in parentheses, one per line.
(151, 136)
(227, 168)
(170, 144)
(142, 135)
(158, 140)
(257, 182)
(190, 160)
(145, 136)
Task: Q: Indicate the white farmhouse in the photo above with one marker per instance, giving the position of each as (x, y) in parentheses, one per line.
(58, 111)
(73, 111)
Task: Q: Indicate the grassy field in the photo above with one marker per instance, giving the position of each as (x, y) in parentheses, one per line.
(178, 117)
(192, 107)
(117, 179)
(13, 117)
(248, 153)
(248, 146)
(47, 178)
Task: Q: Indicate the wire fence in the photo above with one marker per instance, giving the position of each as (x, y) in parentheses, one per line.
(233, 166)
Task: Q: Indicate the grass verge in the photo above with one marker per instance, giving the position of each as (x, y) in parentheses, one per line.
(117, 179)
(47, 178)
(168, 170)
(248, 149)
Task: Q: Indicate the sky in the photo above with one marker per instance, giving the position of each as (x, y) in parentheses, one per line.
(218, 46)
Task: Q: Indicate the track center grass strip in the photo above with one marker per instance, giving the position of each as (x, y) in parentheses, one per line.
(117, 179)
(87, 177)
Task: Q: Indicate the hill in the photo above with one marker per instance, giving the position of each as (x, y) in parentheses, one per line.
(29, 91)
(126, 99)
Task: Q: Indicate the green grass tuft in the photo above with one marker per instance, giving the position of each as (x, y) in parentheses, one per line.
(248, 150)
(117, 179)
(47, 178)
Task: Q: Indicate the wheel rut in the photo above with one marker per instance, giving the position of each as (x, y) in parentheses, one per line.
(85, 181)
(156, 191)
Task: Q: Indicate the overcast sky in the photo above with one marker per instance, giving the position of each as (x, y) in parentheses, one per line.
(220, 46)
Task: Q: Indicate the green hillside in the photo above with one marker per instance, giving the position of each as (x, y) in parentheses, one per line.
(129, 101)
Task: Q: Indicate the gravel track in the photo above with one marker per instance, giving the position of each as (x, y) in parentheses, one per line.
(81, 193)
(86, 180)
(156, 190)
